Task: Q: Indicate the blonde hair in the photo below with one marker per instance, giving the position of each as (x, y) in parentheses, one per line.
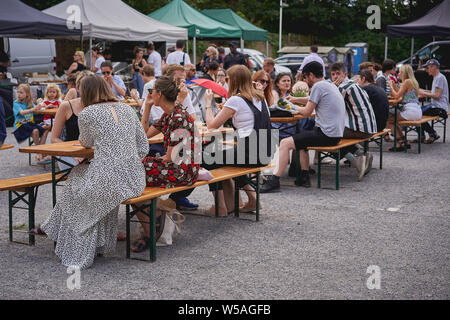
(54, 87)
(407, 72)
(82, 57)
(241, 84)
(214, 51)
(81, 75)
(29, 98)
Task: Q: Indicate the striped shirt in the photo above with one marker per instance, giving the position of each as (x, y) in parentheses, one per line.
(359, 115)
(383, 82)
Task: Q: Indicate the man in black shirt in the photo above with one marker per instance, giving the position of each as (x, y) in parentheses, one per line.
(234, 57)
(377, 97)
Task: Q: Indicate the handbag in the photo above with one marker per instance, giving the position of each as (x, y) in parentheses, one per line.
(172, 222)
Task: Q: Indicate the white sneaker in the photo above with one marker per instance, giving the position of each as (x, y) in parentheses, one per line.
(368, 163)
(360, 164)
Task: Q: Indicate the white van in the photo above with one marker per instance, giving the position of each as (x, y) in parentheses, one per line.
(30, 55)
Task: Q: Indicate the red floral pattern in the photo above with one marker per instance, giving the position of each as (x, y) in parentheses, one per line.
(177, 128)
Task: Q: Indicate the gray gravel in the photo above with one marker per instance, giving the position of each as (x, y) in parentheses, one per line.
(310, 243)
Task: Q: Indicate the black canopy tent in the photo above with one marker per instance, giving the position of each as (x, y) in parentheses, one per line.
(20, 20)
(435, 23)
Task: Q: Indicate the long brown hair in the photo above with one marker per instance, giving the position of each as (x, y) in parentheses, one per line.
(95, 89)
(241, 84)
(259, 75)
(278, 79)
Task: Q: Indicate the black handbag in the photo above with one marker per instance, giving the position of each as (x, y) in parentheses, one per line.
(277, 113)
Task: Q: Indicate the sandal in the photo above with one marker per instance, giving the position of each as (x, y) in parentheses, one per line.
(399, 149)
(141, 244)
(37, 232)
(431, 139)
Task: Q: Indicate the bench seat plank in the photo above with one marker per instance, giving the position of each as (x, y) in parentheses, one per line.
(6, 147)
(21, 183)
(418, 122)
(219, 174)
(348, 142)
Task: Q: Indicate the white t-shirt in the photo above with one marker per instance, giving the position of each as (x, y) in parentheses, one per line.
(176, 57)
(157, 112)
(155, 59)
(243, 118)
(440, 82)
(98, 63)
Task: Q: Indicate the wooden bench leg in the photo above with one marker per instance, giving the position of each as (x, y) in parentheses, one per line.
(381, 152)
(420, 140)
(258, 174)
(152, 224)
(445, 128)
(297, 168)
(319, 169)
(30, 207)
(406, 139)
(337, 168)
(236, 199)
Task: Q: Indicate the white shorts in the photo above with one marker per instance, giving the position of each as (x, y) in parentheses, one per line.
(412, 112)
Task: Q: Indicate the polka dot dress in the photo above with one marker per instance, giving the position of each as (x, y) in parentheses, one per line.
(84, 220)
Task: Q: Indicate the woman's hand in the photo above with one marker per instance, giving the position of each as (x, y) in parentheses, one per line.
(258, 85)
(182, 95)
(134, 95)
(209, 96)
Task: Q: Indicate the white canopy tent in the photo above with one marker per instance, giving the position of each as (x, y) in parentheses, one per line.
(114, 20)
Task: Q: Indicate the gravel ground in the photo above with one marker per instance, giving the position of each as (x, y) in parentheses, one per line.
(309, 244)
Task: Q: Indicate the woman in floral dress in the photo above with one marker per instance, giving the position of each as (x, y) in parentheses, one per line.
(180, 164)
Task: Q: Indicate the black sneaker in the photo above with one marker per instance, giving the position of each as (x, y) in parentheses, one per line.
(271, 184)
(304, 179)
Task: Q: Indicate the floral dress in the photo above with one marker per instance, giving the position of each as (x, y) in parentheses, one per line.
(178, 129)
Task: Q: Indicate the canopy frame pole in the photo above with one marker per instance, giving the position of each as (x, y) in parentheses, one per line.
(281, 25)
(194, 49)
(242, 45)
(81, 42)
(187, 46)
(267, 47)
(90, 49)
(412, 49)
(386, 47)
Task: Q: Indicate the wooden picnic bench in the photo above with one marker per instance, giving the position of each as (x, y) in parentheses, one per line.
(147, 201)
(416, 126)
(334, 152)
(6, 147)
(18, 189)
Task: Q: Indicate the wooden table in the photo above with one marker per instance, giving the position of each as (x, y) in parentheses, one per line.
(75, 150)
(48, 112)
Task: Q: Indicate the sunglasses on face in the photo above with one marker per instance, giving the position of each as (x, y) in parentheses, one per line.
(107, 73)
(262, 81)
(220, 75)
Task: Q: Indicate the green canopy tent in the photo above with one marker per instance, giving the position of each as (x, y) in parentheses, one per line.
(250, 32)
(178, 13)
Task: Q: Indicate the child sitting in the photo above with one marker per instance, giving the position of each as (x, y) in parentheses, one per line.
(24, 125)
(52, 100)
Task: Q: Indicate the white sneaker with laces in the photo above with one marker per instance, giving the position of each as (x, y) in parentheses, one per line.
(360, 164)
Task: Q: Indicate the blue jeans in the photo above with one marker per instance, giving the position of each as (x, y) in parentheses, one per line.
(2, 123)
(138, 83)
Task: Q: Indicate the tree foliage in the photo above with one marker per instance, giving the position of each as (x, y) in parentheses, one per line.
(326, 22)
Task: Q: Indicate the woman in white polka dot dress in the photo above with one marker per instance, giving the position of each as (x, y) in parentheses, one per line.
(84, 220)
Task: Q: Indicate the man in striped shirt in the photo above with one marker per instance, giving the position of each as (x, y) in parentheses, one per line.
(360, 122)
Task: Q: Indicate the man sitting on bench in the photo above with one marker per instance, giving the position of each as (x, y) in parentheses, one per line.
(329, 106)
(360, 122)
(439, 98)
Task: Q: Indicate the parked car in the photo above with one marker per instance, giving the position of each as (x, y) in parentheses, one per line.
(30, 55)
(257, 59)
(293, 61)
(439, 50)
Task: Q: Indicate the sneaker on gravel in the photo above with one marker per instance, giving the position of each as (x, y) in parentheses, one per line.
(360, 164)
